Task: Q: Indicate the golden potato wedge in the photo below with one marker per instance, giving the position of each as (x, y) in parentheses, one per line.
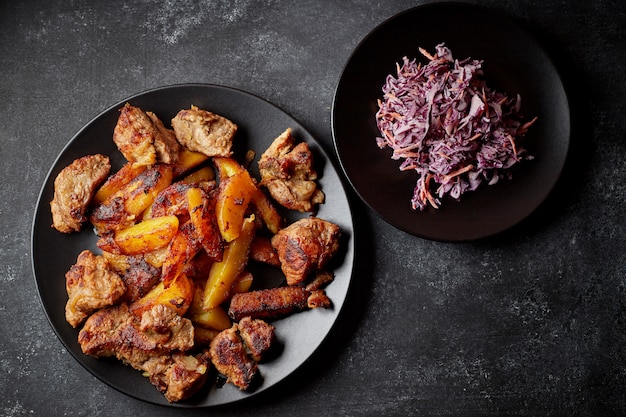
(147, 235)
(267, 211)
(215, 318)
(243, 282)
(203, 174)
(170, 201)
(202, 215)
(126, 206)
(181, 249)
(188, 160)
(178, 296)
(157, 257)
(117, 181)
(226, 166)
(235, 193)
(224, 274)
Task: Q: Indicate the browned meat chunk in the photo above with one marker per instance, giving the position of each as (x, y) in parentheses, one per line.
(230, 358)
(269, 303)
(139, 278)
(154, 344)
(143, 139)
(74, 188)
(258, 336)
(91, 284)
(202, 131)
(178, 376)
(305, 246)
(318, 299)
(261, 250)
(287, 171)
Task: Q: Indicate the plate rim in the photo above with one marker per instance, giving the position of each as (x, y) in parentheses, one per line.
(447, 5)
(350, 249)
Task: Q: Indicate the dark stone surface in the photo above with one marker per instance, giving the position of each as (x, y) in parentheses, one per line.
(531, 322)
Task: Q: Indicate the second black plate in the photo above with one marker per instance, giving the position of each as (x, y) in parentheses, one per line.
(514, 63)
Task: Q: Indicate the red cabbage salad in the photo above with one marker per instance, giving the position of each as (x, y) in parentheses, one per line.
(442, 121)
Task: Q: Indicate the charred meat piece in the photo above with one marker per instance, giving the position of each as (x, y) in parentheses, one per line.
(205, 132)
(139, 278)
(258, 337)
(142, 138)
(318, 299)
(230, 358)
(91, 284)
(261, 250)
(74, 188)
(116, 332)
(178, 376)
(305, 246)
(154, 344)
(269, 303)
(287, 171)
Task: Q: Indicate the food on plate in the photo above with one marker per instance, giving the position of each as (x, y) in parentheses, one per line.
(277, 302)
(172, 293)
(154, 343)
(443, 122)
(288, 173)
(205, 132)
(74, 188)
(90, 284)
(143, 139)
(305, 246)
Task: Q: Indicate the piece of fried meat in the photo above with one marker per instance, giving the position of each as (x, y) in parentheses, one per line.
(287, 172)
(74, 188)
(91, 284)
(305, 246)
(202, 131)
(143, 139)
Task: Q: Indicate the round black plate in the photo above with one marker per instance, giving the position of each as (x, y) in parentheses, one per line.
(259, 123)
(513, 63)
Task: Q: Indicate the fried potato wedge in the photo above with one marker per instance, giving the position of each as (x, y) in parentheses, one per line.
(116, 182)
(200, 175)
(181, 249)
(215, 318)
(127, 205)
(147, 235)
(178, 296)
(202, 215)
(243, 282)
(188, 160)
(224, 274)
(234, 196)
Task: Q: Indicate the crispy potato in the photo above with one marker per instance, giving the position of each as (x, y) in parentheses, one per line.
(215, 318)
(182, 248)
(126, 206)
(147, 235)
(188, 160)
(224, 274)
(203, 174)
(267, 211)
(202, 215)
(157, 257)
(170, 201)
(228, 167)
(243, 282)
(235, 193)
(178, 296)
(118, 181)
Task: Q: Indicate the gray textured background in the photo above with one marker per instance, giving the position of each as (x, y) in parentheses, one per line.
(531, 322)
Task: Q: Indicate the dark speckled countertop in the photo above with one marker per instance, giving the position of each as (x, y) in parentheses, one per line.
(531, 322)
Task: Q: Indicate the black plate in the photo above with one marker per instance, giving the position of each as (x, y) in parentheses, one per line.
(513, 63)
(259, 123)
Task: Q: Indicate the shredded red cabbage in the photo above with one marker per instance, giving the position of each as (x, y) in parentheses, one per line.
(443, 121)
